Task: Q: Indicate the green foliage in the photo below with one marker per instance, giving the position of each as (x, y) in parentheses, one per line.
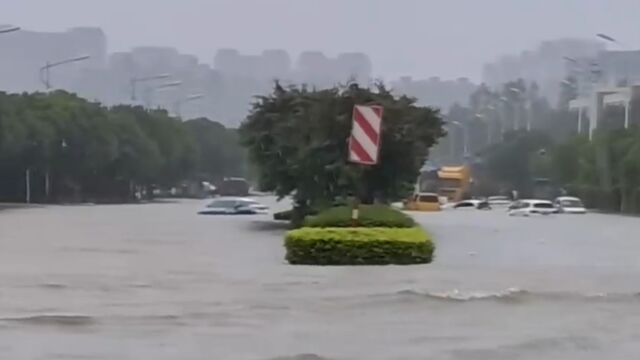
(511, 161)
(297, 140)
(288, 215)
(218, 151)
(358, 246)
(285, 215)
(369, 216)
(91, 152)
(604, 172)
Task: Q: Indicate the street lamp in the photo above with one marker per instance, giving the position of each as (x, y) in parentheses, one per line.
(187, 99)
(516, 124)
(607, 38)
(45, 70)
(9, 29)
(161, 87)
(465, 137)
(135, 80)
(483, 118)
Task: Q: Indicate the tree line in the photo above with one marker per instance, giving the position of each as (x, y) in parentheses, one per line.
(604, 170)
(60, 147)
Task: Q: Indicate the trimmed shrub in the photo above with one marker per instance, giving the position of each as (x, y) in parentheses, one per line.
(283, 215)
(358, 246)
(287, 215)
(369, 216)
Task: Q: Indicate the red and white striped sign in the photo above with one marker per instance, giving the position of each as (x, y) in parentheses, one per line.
(364, 144)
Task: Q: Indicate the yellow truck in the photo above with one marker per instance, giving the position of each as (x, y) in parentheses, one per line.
(454, 182)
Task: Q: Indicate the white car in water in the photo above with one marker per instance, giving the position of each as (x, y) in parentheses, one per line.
(474, 204)
(532, 207)
(499, 201)
(569, 205)
(234, 206)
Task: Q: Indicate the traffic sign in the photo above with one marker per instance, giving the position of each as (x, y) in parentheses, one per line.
(364, 143)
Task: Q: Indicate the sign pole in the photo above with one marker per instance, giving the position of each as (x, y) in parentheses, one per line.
(364, 146)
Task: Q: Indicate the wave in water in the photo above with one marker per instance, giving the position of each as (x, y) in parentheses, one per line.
(52, 320)
(517, 295)
(301, 357)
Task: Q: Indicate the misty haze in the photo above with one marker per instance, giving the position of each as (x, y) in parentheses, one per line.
(306, 180)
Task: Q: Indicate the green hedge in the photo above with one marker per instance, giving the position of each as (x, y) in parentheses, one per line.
(369, 216)
(358, 246)
(285, 215)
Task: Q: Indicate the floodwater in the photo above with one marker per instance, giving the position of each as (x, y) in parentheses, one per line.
(159, 282)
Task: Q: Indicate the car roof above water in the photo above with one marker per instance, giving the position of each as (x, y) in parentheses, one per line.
(560, 198)
(535, 201)
(234, 198)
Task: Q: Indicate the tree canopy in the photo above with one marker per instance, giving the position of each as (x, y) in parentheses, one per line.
(76, 150)
(297, 138)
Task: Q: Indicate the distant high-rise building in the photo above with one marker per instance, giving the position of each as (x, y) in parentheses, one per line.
(276, 64)
(25, 52)
(356, 66)
(435, 91)
(546, 65)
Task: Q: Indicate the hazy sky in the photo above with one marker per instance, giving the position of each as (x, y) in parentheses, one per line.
(448, 38)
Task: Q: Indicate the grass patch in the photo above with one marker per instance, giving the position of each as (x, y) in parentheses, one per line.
(370, 216)
(358, 246)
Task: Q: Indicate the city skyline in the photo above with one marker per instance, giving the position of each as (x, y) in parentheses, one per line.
(403, 38)
(187, 86)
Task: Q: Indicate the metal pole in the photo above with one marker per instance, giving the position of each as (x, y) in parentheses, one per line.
(177, 108)
(44, 71)
(45, 76)
(626, 115)
(9, 30)
(27, 182)
(466, 141)
(528, 115)
(133, 89)
(579, 120)
(46, 184)
(452, 147)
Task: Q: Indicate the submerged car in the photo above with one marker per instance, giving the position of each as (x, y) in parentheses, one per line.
(473, 204)
(499, 201)
(569, 205)
(423, 202)
(532, 207)
(234, 206)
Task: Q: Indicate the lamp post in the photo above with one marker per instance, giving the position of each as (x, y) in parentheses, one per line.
(483, 118)
(570, 84)
(9, 29)
(161, 87)
(465, 138)
(135, 80)
(189, 98)
(519, 92)
(46, 70)
(608, 38)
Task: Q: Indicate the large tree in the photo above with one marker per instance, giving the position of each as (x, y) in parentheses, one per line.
(297, 139)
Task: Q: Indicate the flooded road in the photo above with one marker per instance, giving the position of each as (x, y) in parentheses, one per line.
(159, 282)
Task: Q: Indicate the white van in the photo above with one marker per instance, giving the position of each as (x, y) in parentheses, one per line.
(532, 207)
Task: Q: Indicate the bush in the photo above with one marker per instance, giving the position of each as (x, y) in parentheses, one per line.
(283, 215)
(288, 215)
(358, 246)
(370, 216)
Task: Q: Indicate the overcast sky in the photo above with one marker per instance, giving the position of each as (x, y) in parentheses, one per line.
(447, 38)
